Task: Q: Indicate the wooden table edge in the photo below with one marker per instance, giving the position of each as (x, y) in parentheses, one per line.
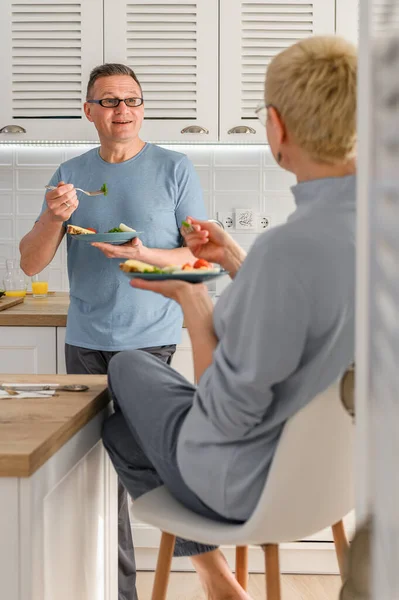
(27, 465)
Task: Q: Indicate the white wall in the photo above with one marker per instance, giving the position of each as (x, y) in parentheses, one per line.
(231, 177)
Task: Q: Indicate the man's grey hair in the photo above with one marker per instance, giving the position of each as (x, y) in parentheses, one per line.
(107, 70)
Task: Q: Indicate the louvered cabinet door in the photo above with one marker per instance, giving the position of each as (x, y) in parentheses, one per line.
(48, 49)
(172, 45)
(251, 34)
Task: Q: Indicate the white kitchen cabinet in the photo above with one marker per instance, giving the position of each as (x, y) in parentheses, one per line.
(27, 350)
(189, 76)
(59, 526)
(172, 45)
(347, 19)
(48, 49)
(201, 64)
(251, 34)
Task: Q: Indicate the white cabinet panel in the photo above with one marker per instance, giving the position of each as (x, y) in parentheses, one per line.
(77, 539)
(62, 525)
(172, 45)
(9, 552)
(48, 49)
(27, 350)
(252, 32)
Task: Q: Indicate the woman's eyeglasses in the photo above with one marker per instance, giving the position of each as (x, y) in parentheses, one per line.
(114, 102)
(261, 113)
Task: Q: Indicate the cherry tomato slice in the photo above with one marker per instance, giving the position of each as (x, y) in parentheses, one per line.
(201, 262)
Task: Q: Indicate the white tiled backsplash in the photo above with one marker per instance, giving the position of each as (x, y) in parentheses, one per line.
(231, 177)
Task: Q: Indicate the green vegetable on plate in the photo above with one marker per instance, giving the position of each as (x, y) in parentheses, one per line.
(122, 229)
(154, 270)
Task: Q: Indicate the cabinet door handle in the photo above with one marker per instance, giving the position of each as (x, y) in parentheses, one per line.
(12, 129)
(242, 129)
(194, 129)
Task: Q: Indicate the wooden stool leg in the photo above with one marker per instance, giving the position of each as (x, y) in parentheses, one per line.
(272, 564)
(164, 562)
(341, 546)
(242, 566)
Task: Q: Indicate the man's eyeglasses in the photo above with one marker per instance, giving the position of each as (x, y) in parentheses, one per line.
(261, 113)
(114, 102)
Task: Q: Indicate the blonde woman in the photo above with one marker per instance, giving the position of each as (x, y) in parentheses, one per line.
(281, 333)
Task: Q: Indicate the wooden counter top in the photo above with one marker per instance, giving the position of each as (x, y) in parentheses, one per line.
(38, 312)
(33, 429)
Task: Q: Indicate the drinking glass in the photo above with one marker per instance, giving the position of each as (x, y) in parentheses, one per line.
(40, 284)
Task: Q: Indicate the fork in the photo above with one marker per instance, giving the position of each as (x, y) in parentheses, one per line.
(188, 227)
(96, 193)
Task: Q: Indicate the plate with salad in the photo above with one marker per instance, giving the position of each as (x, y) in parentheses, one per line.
(200, 271)
(116, 235)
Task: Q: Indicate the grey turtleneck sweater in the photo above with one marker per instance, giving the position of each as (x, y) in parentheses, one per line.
(285, 327)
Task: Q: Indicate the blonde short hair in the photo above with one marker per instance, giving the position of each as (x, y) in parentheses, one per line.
(312, 84)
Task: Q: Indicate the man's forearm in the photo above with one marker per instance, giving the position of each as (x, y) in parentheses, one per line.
(39, 245)
(162, 258)
(197, 308)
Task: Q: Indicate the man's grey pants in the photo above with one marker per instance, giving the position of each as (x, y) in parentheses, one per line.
(80, 361)
(152, 401)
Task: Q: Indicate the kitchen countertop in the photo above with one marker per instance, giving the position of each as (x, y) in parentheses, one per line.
(38, 312)
(33, 429)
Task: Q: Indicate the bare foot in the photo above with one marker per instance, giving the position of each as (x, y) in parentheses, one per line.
(217, 580)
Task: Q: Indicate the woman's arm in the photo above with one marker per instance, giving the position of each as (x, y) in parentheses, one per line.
(234, 256)
(208, 240)
(136, 250)
(197, 309)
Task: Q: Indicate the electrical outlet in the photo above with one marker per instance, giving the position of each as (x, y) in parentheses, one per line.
(264, 222)
(245, 219)
(227, 218)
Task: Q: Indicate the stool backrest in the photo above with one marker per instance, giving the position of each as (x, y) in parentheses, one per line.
(310, 484)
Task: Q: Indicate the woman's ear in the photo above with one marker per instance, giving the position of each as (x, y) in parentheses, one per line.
(277, 125)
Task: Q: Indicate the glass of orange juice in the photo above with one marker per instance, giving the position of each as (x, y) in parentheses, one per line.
(40, 284)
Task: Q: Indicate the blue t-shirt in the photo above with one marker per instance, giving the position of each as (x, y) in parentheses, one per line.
(153, 192)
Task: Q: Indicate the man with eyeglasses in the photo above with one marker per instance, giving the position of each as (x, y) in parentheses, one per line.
(151, 189)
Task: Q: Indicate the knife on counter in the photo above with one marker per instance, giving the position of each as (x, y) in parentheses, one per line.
(40, 387)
